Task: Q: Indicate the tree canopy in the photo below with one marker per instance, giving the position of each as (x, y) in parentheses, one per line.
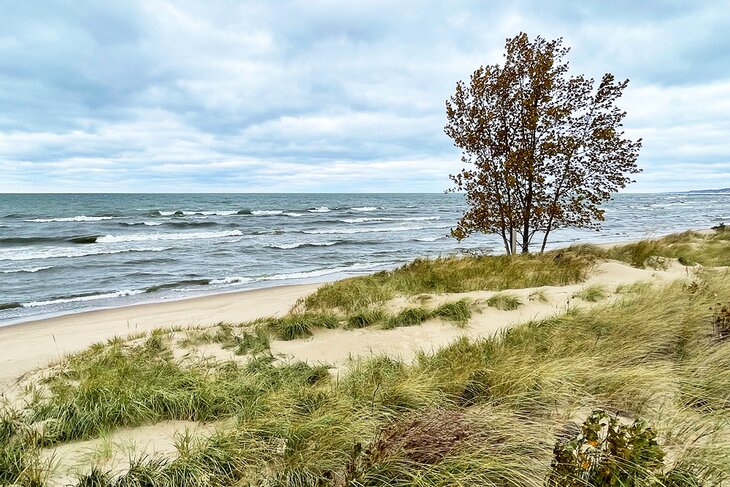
(543, 149)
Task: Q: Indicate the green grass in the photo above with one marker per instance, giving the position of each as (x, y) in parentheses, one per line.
(301, 325)
(504, 302)
(689, 248)
(593, 293)
(366, 317)
(451, 275)
(457, 312)
(409, 317)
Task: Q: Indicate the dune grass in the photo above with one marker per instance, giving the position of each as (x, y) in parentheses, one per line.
(485, 412)
(593, 293)
(504, 301)
(451, 275)
(689, 248)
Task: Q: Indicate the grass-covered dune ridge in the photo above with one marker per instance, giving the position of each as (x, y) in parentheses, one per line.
(477, 412)
(452, 275)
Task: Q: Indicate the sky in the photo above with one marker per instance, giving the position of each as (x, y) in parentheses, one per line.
(327, 96)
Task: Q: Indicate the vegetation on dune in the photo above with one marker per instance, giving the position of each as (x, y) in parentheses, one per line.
(497, 411)
(452, 275)
(689, 248)
(593, 293)
(504, 302)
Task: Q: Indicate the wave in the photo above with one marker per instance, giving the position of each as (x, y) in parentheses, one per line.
(30, 270)
(12, 305)
(232, 280)
(303, 244)
(82, 218)
(147, 224)
(176, 284)
(388, 219)
(69, 252)
(323, 272)
(244, 211)
(349, 231)
(83, 297)
(321, 209)
(27, 240)
(297, 275)
(366, 208)
(366, 220)
(431, 239)
(80, 239)
(267, 212)
(177, 224)
(144, 237)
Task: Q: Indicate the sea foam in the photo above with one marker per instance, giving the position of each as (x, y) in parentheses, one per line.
(145, 237)
(81, 218)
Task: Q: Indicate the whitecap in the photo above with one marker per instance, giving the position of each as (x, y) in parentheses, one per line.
(366, 220)
(321, 209)
(81, 218)
(335, 231)
(267, 212)
(366, 208)
(231, 280)
(93, 297)
(302, 244)
(322, 272)
(143, 237)
(68, 252)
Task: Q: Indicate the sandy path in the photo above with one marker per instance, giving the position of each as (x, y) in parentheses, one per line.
(25, 346)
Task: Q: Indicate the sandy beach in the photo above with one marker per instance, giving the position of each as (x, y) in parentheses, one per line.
(25, 346)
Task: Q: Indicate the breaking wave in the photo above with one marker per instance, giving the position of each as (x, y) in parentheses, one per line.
(302, 244)
(146, 237)
(83, 297)
(68, 252)
(82, 218)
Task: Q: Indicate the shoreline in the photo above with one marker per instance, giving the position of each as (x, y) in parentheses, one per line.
(30, 344)
(138, 300)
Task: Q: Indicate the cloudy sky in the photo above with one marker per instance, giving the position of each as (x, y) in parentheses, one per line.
(330, 96)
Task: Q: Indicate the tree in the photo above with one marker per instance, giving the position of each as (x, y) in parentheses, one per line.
(543, 149)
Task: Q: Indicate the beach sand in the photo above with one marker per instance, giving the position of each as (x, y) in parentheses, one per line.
(25, 346)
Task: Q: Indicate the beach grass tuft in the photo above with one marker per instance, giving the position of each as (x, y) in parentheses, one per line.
(593, 293)
(504, 301)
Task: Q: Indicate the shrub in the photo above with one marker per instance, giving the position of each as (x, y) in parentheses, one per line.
(721, 323)
(607, 452)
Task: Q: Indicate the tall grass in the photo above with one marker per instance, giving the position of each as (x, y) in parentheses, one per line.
(451, 275)
(689, 248)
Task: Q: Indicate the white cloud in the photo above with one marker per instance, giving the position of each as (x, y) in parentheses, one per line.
(325, 95)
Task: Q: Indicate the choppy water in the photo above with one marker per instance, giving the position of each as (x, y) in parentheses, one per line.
(62, 253)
